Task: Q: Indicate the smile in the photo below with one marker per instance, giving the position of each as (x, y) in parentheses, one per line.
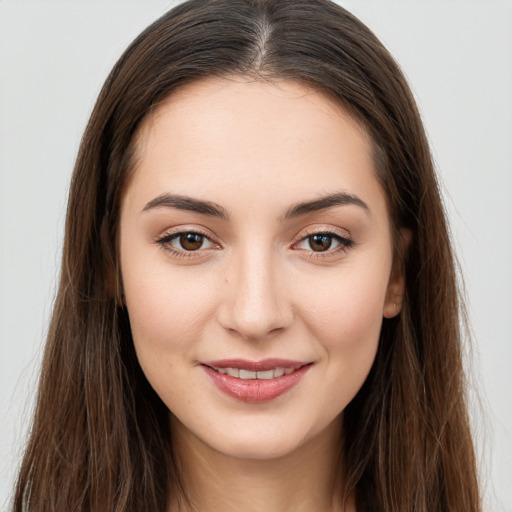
(259, 381)
(249, 375)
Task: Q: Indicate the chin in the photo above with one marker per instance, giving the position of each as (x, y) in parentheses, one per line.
(258, 447)
(259, 441)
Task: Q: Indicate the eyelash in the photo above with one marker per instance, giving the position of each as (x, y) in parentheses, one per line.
(165, 243)
(344, 243)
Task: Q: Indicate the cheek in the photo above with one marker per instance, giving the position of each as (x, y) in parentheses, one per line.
(346, 319)
(167, 312)
(346, 322)
(346, 311)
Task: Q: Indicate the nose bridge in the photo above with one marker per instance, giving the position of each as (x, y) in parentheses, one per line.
(256, 304)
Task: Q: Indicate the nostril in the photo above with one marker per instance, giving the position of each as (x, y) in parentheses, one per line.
(254, 335)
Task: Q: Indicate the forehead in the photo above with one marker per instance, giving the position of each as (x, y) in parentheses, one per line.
(214, 108)
(217, 137)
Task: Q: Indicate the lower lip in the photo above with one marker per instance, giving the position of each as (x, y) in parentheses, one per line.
(256, 390)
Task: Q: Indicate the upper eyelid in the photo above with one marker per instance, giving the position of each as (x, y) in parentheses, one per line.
(171, 232)
(340, 232)
(333, 234)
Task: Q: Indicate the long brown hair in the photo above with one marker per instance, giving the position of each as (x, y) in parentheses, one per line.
(100, 439)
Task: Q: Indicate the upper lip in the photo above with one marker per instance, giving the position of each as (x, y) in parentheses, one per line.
(255, 366)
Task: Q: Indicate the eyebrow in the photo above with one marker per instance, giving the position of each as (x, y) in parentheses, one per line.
(214, 210)
(187, 203)
(323, 203)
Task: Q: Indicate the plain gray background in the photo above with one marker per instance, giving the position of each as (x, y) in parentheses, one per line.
(54, 56)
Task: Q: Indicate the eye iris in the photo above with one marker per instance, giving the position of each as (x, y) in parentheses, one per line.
(191, 241)
(320, 242)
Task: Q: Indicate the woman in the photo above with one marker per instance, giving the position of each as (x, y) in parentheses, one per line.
(258, 307)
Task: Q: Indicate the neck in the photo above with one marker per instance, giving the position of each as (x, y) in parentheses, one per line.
(307, 480)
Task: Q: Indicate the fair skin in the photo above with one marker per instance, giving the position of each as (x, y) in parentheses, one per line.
(252, 276)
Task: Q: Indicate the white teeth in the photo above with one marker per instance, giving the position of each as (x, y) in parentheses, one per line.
(249, 375)
(234, 372)
(279, 372)
(246, 374)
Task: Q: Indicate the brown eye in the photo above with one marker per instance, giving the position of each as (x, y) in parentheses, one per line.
(186, 242)
(191, 241)
(320, 242)
(324, 242)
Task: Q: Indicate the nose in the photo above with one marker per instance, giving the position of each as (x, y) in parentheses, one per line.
(256, 303)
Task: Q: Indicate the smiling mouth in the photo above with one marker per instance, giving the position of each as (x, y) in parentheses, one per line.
(255, 381)
(265, 369)
(239, 373)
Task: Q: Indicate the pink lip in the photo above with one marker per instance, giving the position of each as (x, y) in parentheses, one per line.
(255, 366)
(255, 390)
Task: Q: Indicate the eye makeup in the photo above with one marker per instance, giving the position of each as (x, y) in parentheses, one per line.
(190, 243)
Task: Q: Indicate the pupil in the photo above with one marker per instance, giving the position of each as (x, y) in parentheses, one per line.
(191, 241)
(320, 242)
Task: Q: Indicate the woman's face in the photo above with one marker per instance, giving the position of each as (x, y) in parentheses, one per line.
(256, 258)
